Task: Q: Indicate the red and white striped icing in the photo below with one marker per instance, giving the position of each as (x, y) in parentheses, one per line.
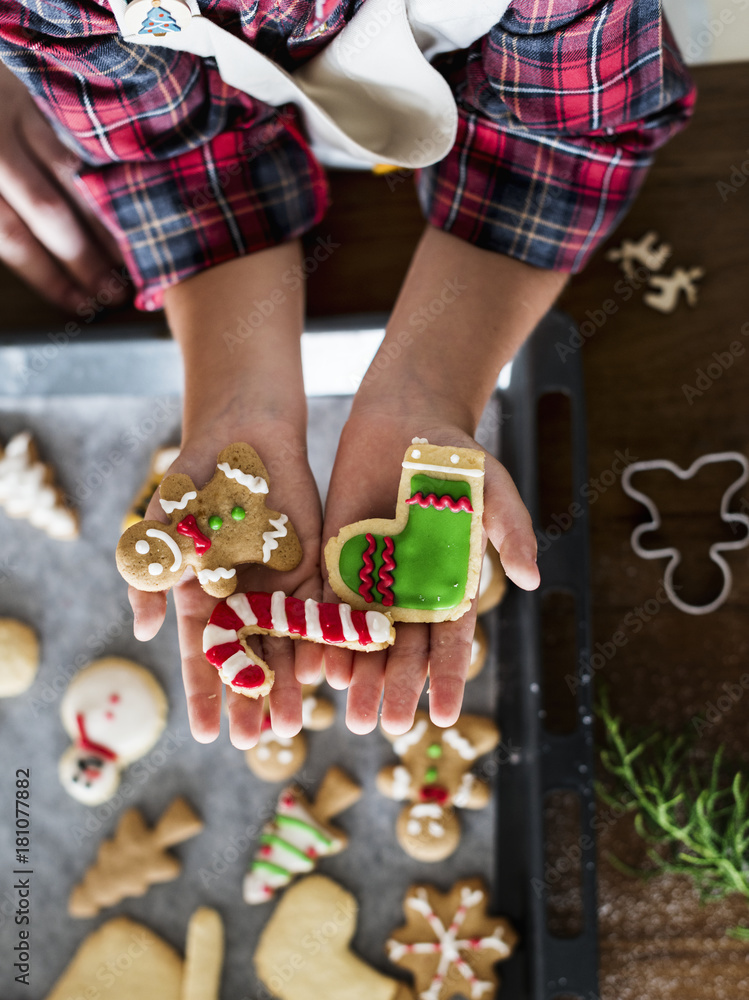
(259, 612)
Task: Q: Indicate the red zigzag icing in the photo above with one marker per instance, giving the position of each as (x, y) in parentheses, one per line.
(386, 576)
(365, 573)
(439, 503)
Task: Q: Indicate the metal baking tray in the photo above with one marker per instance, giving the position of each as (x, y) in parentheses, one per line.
(113, 391)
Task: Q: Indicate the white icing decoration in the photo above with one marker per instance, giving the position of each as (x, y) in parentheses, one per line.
(255, 484)
(416, 453)
(349, 632)
(155, 569)
(419, 441)
(214, 635)
(278, 617)
(236, 662)
(213, 575)
(463, 795)
(96, 785)
(429, 810)
(240, 605)
(142, 547)
(455, 459)
(25, 490)
(270, 537)
(170, 544)
(378, 626)
(411, 738)
(262, 753)
(448, 945)
(463, 746)
(475, 649)
(442, 468)
(312, 619)
(285, 756)
(402, 784)
(309, 704)
(172, 505)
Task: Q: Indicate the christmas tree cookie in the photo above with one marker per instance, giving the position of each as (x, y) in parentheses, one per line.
(425, 564)
(156, 17)
(298, 835)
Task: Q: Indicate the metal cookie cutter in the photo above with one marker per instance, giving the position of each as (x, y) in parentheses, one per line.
(674, 554)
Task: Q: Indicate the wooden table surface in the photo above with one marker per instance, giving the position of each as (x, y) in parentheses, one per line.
(657, 942)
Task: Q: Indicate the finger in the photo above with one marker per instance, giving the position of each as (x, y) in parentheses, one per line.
(308, 662)
(149, 610)
(339, 665)
(245, 719)
(203, 686)
(405, 674)
(286, 693)
(509, 527)
(365, 692)
(22, 252)
(50, 215)
(449, 660)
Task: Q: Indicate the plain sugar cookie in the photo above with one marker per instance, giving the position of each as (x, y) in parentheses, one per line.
(19, 657)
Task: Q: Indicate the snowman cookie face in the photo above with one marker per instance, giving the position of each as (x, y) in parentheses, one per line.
(114, 712)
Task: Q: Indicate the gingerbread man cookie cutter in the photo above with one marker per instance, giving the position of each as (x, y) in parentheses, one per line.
(673, 554)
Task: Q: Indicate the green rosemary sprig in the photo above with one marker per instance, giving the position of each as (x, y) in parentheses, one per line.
(697, 823)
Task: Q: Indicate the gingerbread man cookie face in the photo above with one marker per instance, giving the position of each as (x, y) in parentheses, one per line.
(277, 758)
(114, 711)
(434, 777)
(214, 529)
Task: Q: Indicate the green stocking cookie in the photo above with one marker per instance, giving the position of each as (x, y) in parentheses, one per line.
(425, 564)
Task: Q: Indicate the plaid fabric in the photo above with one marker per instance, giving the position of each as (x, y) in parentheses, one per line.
(561, 106)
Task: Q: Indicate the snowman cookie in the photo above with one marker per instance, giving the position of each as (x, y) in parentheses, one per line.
(114, 710)
(425, 564)
(214, 529)
(19, 657)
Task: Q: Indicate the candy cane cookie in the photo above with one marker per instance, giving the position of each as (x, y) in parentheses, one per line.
(259, 613)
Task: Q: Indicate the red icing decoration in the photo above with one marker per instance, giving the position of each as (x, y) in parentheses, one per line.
(266, 849)
(296, 616)
(189, 526)
(365, 573)
(217, 655)
(434, 793)
(288, 801)
(265, 724)
(386, 577)
(439, 503)
(249, 677)
(260, 604)
(109, 715)
(330, 623)
(224, 617)
(114, 698)
(359, 621)
(89, 745)
(311, 853)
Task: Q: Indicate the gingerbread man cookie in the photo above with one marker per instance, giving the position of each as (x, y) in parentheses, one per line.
(434, 778)
(114, 710)
(425, 564)
(214, 529)
(449, 943)
(277, 758)
(299, 834)
(240, 616)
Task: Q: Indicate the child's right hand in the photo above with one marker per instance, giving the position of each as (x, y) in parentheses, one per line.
(293, 491)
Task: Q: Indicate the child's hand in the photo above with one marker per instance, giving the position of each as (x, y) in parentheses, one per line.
(293, 491)
(365, 484)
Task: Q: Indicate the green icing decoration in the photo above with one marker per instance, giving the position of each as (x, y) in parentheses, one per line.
(215, 522)
(431, 552)
(238, 513)
(434, 751)
(299, 824)
(284, 845)
(268, 866)
(431, 776)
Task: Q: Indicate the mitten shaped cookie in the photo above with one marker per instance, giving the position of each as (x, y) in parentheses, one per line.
(449, 943)
(299, 834)
(434, 778)
(277, 758)
(425, 564)
(214, 530)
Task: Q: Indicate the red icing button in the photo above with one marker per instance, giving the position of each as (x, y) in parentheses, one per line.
(249, 677)
(114, 698)
(433, 793)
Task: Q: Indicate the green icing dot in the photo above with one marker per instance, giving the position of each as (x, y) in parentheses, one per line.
(434, 751)
(431, 776)
(238, 513)
(215, 522)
